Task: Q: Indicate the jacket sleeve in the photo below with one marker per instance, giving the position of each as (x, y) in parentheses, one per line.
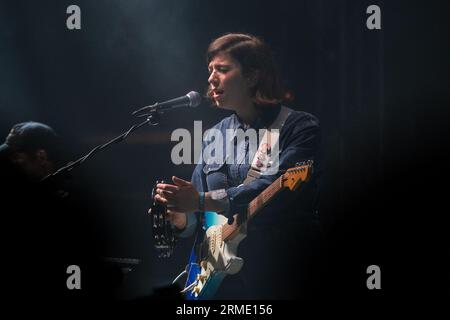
(199, 181)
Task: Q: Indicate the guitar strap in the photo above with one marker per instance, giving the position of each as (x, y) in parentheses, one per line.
(263, 161)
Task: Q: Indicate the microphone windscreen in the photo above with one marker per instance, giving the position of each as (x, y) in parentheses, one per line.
(194, 99)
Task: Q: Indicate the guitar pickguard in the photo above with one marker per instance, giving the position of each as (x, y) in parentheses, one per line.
(207, 272)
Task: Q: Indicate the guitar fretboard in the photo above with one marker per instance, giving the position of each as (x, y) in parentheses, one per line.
(255, 205)
(260, 201)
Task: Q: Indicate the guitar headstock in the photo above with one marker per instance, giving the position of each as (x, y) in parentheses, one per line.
(293, 177)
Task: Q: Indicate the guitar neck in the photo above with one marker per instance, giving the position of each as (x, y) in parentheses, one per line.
(264, 198)
(291, 179)
(254, 206)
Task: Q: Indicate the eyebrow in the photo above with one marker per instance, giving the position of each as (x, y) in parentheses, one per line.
(218, 65)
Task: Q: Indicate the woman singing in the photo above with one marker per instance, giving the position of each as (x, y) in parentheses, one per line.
(278, 250)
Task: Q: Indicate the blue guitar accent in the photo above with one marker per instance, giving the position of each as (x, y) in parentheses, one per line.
(210, 219)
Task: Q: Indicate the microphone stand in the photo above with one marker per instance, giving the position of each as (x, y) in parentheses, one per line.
(153, 118)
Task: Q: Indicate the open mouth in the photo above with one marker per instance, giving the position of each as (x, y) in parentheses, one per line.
(217, 93)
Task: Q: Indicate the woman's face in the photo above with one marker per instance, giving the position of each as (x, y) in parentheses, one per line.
(229, 89)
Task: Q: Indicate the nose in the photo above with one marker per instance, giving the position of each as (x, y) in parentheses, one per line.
(213, 79)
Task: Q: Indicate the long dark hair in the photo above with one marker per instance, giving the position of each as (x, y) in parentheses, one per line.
(256, 60)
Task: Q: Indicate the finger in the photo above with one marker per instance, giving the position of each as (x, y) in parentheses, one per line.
(168, 187)
(167, 202)
(163, 191)
(166, 194)
(162, 200)
(180, 182)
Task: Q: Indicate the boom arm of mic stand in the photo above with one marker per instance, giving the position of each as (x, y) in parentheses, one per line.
(152, 108)
(152, 119)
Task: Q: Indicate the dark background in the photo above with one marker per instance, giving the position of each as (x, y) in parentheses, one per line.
(382, 97)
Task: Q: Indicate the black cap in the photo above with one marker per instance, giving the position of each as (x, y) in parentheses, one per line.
(28, 137)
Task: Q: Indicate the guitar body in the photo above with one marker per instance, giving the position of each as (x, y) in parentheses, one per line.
(212, 258)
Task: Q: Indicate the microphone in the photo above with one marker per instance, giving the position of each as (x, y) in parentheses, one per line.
(192, 99)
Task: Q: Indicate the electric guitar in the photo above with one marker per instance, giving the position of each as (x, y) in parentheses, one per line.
(215, 254)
